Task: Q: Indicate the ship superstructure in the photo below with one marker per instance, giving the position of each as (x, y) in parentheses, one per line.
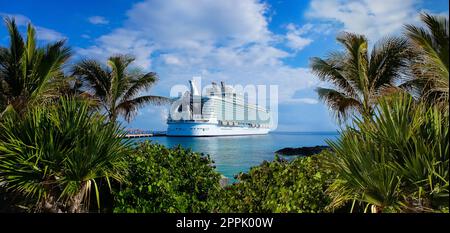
(220, 111)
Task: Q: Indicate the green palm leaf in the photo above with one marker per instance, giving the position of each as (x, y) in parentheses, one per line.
(397, 161)
(55, 155)
(27, 71)
(359, 80)
(116, 86)
(431, 63)
(340, 102)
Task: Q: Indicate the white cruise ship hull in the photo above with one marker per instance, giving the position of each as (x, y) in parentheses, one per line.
(199, 129)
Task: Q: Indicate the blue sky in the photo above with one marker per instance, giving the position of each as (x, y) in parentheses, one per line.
(238, 41)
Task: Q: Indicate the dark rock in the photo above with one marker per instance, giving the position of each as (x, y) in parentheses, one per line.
(303, 151)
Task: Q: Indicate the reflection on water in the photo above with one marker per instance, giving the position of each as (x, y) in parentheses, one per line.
(234, 154)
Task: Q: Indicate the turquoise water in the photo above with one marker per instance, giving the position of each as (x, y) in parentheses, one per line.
(234, 154)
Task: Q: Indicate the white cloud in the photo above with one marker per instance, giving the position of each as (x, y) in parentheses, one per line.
(294, 36)
(42, 33)
(120, 41)
(300, 30)
(298, 37)
(186, 23)
(170, 59)
(372, 18)
(48, 34)
(219, 40)
(197, 30)
(98, 20)
(302, 101)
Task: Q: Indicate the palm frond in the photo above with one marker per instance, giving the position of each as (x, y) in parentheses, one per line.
(438, 27)
(394, 160)
(128, 108)
(92, 74)
(357, 60)
(140, 84)
(388, 60)
(17, 47)
(51, 152)
(49, 66)
(430, 67)
(330, 70)
(341, 104)
(12, 59)
(30, 44)
(423, 39)
(119, 77)
(26, 70)
(116, 86)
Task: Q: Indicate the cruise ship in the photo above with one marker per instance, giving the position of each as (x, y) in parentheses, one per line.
(218, 112)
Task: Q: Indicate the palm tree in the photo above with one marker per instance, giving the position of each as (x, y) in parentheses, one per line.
(56, 155)
(430, 65)
(29, 74)
(359, 79)
(116, 87)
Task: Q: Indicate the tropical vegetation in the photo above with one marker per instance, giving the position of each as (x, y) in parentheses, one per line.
(56, 148)
(57, 155)
(280, 186)
(359, 76)
(117, 87)
(29, 74)
(429, 68)
(396, 162)
(61, 145)
(395, 159)
(167, 180)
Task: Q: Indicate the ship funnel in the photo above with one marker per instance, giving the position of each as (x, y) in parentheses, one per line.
(194, 89)
(222, 84)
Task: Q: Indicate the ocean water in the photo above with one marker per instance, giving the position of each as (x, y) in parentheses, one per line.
(234, 154)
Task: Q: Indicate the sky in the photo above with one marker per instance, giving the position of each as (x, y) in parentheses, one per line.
(237, 41)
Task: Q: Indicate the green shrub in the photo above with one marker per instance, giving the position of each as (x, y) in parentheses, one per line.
(54, 157)
(279, 186)
(396, 162)
(167, 180)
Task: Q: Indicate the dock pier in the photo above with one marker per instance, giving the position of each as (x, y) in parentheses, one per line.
(143, 134)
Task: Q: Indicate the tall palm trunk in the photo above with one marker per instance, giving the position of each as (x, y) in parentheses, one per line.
(77, 200)
(49, 205)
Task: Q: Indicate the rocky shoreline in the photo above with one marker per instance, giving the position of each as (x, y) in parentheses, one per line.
(301, 151)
